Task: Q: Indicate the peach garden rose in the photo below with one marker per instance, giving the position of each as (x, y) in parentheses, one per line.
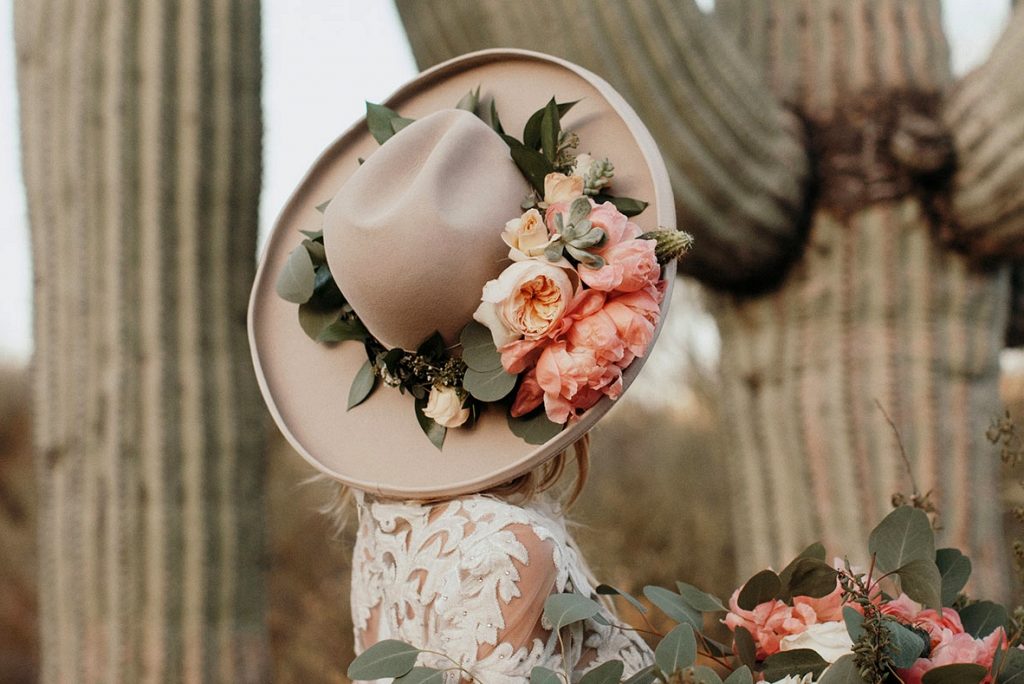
(527, 300)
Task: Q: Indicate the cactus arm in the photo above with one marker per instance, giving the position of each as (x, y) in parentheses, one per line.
(985, 112)
(738, 163)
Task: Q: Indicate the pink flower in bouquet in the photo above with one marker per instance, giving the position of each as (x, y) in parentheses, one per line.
(635, 316)
(529, 396)
(527, 300)
(957, 648)
(768, 623)
(629, 266)
(940, 628)
(616, 226)
(598, 333)
(518, 355)
(573, 380)
(826, 609)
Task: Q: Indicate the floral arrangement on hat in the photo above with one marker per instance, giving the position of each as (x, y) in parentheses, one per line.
(578, 302)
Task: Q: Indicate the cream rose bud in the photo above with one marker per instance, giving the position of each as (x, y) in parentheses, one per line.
(561, 188)
(528, 300)
(527, 236)
(830, 640)
(444, 406)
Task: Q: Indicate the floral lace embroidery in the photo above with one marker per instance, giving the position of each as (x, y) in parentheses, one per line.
(442, 577)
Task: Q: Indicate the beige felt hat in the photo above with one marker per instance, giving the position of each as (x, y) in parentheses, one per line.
(411, 236)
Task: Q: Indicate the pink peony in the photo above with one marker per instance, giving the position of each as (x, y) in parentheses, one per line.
(768, 623)
(529, 396)
(940, 628)
(635, 316)
(598, 333)
(629, 266)
(571, 378)
(826, 609)
(957, 648)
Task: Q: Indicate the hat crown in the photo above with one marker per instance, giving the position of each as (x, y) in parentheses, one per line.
(414, 234)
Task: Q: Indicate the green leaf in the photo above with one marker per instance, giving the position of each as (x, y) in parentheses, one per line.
(388, 658)
(982, 618)
(798, 662)
(487, 386)
(341, 331)
(702, 674)
(296, 281)
(699, 600)
(470, 101)
(609, 672)
(434, 431)
(316, 252)
(626, 205)
(1009, 663)
(741, 675)
(762, 587)
(843, 671)
(379, 121)
(533, 164)
(550, 127)
(322, 207)
(903, 536)
(906, 645)
(542, 675)
(746, 647)
(592, 238)
(608, 590)
(495, 121)
(673, 605)
(313, 320)
(478, 350)
(815, 551)
(854, 623)
(398, 123)
(959, 673)
(432, 348)
(677, 650)
(362, 385)
(535, 427)
(955, 569)
(921, 581)
(570, 607)
(316, 234)
(531, 132)
(594, 261)
(392, 358)
(421, 675)
(811, 577)
(644, 676)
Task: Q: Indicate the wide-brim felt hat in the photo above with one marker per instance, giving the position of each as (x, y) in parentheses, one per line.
(378, 446)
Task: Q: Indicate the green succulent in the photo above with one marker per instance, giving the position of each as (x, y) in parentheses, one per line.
(576, 236)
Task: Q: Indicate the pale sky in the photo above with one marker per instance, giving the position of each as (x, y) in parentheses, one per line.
(322, 60)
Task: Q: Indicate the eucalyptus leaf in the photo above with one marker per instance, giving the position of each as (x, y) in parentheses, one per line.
(434, 431)
(958, 673)
(644, 676)
(906, 645)
(920, 580)
(955, 569)
(609, 672)
(534, 428)
(608, 590)
(398, 123)
(432, 348)
(673, 605)
(326, 294)
(741, 675)
(567, 608)
(531, 132)
(469, 101)
(746, 647)
(982, 618)
(815, 551)
(531, 163)
(488, 386)
(391, 359)
(1009, 664)
(542, 675)
(762, 587)
(378, 120)
(843, 671)
(315, 234)
(495, 121)
(798, 662)
(903, 536)
(296, 281)
(421, 675)
(812, 577)
(854, 623)
(478, 350)
(699, 600)
(678, 650)
(702, 674)
(362, 385)
(626, 205)
(322, 207)
(317, 254)
(341, 331)
(387, 658)
(313, 320)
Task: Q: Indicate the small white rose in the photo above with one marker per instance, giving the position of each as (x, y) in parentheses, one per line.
(526, 236)
(830, 640)
(795, 679)
(561, 188)
(444, 406)
(527, 300)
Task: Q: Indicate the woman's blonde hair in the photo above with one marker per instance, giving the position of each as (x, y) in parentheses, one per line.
(518, 490)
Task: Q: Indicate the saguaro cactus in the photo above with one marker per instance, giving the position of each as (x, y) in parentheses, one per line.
(860, 257)
(141, 129)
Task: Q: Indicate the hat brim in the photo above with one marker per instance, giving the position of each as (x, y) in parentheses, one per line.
(378, 446)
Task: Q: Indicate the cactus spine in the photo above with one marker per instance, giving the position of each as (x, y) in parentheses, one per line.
(141, 129)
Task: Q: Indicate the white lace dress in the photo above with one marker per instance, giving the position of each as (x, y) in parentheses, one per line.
(468, 578)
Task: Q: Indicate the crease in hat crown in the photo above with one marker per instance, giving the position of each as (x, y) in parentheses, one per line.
(410, 236)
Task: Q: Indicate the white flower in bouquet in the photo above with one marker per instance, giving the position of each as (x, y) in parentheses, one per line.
(830, 640)
(444, 406)
(795, 679)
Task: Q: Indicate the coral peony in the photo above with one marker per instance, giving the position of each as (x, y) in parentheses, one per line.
(957, 648)
(629, 266)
